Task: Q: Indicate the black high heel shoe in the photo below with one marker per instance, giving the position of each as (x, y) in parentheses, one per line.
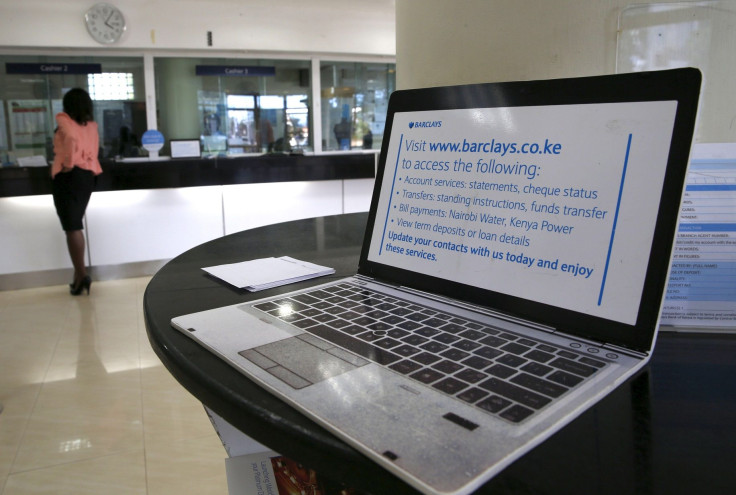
(84, 284)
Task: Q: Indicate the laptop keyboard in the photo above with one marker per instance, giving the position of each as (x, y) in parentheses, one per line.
(502, 373)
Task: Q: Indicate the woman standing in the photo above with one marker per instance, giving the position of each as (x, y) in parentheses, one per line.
(73, 172)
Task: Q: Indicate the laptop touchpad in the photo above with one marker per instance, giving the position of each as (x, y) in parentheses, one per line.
(302, 360)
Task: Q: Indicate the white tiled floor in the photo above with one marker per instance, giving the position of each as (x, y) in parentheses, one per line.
(89, 408)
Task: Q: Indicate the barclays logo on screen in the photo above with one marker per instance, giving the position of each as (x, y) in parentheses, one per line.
(425, 123)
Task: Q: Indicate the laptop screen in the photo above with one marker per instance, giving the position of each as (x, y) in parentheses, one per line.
(543, 199)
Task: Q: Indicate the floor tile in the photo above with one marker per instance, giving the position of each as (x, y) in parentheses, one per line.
(89, 408)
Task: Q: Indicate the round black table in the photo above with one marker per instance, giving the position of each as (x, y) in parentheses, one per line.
(670, 430)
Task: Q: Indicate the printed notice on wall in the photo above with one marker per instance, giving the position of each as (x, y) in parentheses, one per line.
(552, 204)
(702, 284)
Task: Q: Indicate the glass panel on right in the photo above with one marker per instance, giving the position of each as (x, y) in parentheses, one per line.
(354, 104)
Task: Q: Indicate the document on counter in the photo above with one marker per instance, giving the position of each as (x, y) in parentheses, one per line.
(702, 285)
(265, 273)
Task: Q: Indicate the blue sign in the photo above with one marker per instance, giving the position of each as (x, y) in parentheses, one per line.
(53, 68)
(235, 70)
(152, 140)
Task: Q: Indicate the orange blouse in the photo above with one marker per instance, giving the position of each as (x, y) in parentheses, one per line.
(75, 146)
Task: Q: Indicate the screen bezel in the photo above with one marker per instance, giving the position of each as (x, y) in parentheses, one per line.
(680, 85)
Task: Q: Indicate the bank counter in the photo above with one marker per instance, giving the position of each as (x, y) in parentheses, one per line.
(143, 213)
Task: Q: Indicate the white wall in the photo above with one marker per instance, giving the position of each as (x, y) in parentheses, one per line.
(321, 26)
(439, 42)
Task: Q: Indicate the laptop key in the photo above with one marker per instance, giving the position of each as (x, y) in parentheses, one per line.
(447, 367)
(477, 362)
(426, 331)
(379, 325)
(377, 314)
(471, 376)
(472, 395)
(539, 385)
(568, 354)
(397, 334)
(426, 375)
(387, 343)
(416, 317)
(353, 329)
(409, 325)
(305, 323)
(452, 328)
(539, 356)
(406, 350)
(364, 321)
(371, 336)
(454, 354)
(472, 335)
(537, 369)
(446, 338)
(487, 352)
(433, 346)
(592, 362)
(466, 345)
(434, 322)
(511, 360)
(573, 367)
(450, 385)
(405, 367)
(426, 358)
(515, 348)
(338, 323)
(414, 339)
(305, 298)
(493, 404)
(501, 371)
(493, 341)
(385, 306)
(515, 393)
(565, 379)
(516, 413)
(324, 317)
(267, 306)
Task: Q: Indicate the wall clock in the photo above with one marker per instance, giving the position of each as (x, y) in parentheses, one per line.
(105, 23)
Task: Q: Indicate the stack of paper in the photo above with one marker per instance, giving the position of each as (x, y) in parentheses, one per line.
(265, 273)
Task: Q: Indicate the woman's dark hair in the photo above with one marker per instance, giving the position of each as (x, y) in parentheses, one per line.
(78, 105)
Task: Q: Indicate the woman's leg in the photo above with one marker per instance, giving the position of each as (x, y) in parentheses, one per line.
(75, 243)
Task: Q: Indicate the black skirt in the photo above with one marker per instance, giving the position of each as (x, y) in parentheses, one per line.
(72, 191)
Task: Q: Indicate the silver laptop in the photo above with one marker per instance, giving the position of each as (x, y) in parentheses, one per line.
(512, 273)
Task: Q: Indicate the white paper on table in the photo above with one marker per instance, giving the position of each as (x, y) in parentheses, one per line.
(265, 273)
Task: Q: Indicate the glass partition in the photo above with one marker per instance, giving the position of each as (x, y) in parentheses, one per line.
(31, 91)
(231, 106)
(354, 103)
(234, 106)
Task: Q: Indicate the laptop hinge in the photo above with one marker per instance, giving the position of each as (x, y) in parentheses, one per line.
(609, 347)
(624, 350)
